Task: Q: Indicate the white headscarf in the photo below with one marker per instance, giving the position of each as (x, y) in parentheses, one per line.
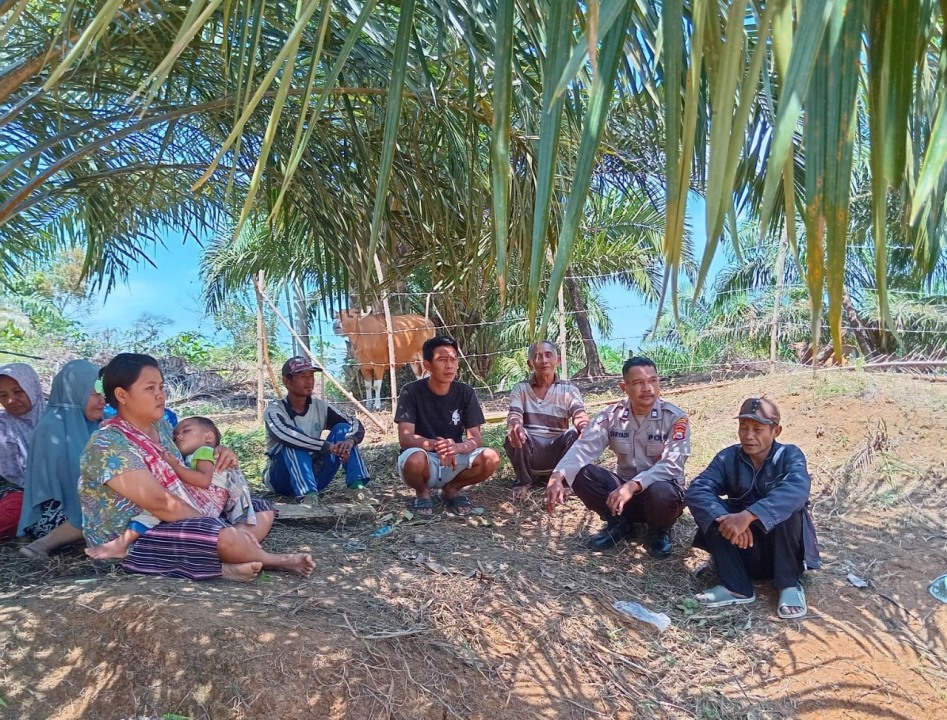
(16, 430)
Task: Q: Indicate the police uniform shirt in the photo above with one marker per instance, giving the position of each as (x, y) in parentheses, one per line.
(652, 451)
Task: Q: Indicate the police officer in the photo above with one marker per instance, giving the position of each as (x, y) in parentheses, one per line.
(651, 440)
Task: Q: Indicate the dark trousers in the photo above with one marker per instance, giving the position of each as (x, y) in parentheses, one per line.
(538, 455)
(660, 505)
(776, 555)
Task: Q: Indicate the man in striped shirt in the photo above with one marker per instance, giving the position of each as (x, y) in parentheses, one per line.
(541, 408)
(301, 462)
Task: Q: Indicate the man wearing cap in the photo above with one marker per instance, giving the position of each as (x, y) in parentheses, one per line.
(541, 408)
(763, 528)
(650, 437)
(301, 462)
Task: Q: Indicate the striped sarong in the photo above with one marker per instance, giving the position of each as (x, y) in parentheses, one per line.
(183, 549)
(261, 505)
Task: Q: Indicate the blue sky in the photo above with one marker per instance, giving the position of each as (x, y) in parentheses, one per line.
(173, 289)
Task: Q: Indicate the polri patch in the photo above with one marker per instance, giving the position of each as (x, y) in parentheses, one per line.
(679, 430)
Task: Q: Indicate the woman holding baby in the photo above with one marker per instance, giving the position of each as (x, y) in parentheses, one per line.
(126, 472)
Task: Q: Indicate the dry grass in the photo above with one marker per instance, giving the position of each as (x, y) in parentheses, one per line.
(510, 615)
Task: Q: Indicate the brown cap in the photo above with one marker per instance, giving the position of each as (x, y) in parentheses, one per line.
(760, 409)
(298, 364)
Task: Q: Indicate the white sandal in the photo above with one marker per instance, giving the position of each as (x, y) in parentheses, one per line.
(792, 597)
(720, 596)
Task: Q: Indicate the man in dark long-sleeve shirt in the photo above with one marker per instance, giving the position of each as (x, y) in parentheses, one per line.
(751, 508)
(300, 461)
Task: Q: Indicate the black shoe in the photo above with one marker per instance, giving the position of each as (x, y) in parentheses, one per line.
(660, 544)
(616, 531)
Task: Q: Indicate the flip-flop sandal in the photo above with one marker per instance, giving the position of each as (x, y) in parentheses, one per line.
(422, 507)
(459, 505)
(938, 589)
(28, 552)
(719, 596)
(792, 597)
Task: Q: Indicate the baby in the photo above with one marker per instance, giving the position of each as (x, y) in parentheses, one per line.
(213, 494)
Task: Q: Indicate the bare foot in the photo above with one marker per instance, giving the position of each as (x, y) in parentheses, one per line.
(32, 553)
(242, 572)
(112, 550)
(520, 492)
(299, 563)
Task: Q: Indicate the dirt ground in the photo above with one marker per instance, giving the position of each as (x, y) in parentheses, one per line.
(509, 615)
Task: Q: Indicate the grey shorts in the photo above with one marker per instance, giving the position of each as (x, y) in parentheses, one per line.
(439, 476)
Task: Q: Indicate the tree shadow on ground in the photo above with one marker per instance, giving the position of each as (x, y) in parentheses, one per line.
(506, 617)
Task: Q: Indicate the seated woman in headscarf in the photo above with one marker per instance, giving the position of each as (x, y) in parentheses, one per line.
(123, 473)
(21, 396)
(51, 513)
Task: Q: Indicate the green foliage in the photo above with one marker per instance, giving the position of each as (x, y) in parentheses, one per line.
(250, 448)
(673, 361)
(235, 317)
(510, 369)
(111, 114)
(45, 298)
(689, 606)
(192, 346)
(14, 337)
(493, 436)
(612, 359)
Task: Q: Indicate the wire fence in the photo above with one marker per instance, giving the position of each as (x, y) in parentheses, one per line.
(712, 350)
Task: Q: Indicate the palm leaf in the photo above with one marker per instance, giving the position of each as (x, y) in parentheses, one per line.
(500, 146)
(393, 111)
(599, 100)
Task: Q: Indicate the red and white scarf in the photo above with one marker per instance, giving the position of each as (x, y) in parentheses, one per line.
(151, 452)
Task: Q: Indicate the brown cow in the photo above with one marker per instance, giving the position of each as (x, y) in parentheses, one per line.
(368, 336)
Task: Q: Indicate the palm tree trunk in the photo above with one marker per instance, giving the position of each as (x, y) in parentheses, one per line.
(593, 363)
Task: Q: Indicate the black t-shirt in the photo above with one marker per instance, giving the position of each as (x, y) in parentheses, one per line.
(445, 416)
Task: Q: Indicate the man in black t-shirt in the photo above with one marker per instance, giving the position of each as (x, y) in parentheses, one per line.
(433, 414)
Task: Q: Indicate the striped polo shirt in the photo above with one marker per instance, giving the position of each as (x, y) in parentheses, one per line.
(549, 417)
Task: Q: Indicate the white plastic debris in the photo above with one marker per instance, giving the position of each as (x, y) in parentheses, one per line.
(638, 611)
(857, 581)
